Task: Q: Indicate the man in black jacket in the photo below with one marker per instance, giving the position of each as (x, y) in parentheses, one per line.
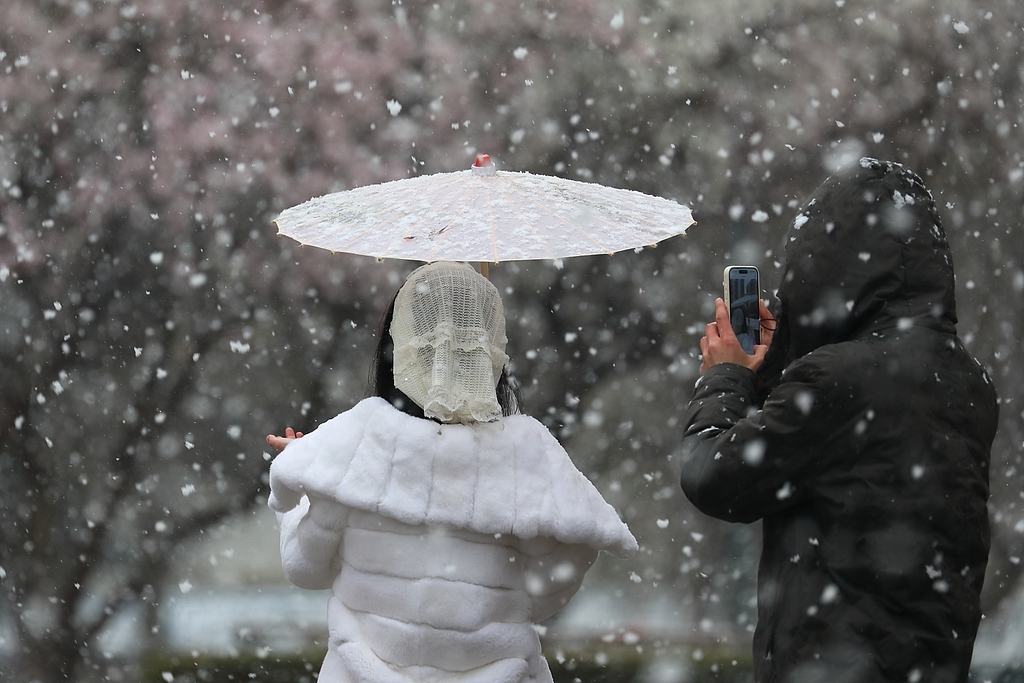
(862, 441)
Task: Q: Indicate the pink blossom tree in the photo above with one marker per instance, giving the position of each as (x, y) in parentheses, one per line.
(153, 329)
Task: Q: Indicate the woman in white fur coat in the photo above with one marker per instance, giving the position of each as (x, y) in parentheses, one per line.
(445, 524)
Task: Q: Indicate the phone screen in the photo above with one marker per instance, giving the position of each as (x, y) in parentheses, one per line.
(744, 298)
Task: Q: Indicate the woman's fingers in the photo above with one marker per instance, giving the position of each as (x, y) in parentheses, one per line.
(758, 356)
(767, 331)
(279, 442)
(722, 319)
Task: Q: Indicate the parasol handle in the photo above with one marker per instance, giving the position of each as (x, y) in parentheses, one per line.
(484, 268)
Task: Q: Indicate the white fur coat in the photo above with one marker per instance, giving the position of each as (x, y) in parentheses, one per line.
(442, 543)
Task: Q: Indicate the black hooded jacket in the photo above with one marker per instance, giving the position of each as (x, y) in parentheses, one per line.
(862, 443)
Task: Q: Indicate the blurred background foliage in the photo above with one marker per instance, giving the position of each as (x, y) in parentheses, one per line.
(153, 328)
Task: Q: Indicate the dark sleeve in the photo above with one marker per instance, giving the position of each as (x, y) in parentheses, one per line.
(741, 462)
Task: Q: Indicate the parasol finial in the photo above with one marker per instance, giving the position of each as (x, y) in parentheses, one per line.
(483, 165)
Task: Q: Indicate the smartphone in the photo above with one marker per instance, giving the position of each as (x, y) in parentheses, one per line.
(743, 299)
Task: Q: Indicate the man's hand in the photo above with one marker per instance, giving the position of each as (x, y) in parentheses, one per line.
(720, 345)
(279, 442)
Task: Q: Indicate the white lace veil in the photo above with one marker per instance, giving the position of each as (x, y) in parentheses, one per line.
(449, 334)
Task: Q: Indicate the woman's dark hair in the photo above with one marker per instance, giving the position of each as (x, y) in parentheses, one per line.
(382, 375)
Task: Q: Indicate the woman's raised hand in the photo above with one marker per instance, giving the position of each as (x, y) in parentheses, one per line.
(720, 345)
(279, 442)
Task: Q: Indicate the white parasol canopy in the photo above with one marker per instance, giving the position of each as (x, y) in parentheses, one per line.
(483, 215)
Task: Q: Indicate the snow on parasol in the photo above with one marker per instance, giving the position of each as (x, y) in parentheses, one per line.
(483, 215)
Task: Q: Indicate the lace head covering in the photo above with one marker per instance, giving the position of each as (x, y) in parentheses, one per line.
(449, 334)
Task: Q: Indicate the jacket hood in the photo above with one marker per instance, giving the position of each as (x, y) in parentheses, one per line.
(867, 253)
